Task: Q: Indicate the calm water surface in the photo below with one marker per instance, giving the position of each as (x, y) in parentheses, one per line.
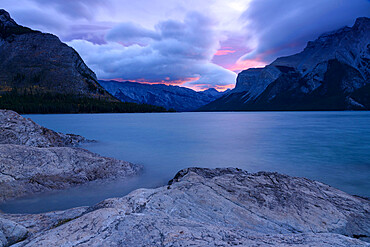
(332, 147)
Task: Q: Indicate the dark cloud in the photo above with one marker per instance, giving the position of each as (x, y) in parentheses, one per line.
(281, 27)
(128, 33)
(47, 16)
(94, 33)
(37, 19)
(75, 9)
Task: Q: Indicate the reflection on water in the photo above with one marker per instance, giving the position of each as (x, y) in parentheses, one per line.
(332, 147)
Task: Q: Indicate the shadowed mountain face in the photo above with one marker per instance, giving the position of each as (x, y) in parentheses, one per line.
(175, 97)
(331, 73)
(33, 62)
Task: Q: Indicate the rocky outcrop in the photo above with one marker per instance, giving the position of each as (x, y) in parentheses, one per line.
(29, 170)
(212, 207)
(37, 63)
(331, 73)
(35, 159)
(11, 232)
(169, 97)
(15, 129)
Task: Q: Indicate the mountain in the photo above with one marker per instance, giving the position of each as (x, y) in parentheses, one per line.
(169, 97)
(39, 73)
(331, 73)
(40, 62)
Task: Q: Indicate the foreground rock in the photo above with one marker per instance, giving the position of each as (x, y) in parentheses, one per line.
(27, 170)
(11, 232)
(204, 207)
(15, 129)
(34, 159)
(40, 160)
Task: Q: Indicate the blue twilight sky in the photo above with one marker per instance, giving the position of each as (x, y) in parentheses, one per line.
(193, 43)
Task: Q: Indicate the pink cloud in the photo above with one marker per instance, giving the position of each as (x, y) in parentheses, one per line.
(167, 81)
(220, 88)
(224, 52)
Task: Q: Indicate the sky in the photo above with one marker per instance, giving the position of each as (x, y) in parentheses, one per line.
(194, 43)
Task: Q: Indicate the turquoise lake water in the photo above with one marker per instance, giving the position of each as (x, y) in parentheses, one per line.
(331, 147)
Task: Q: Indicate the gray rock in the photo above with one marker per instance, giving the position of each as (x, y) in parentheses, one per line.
(218, 207)
(35, 223)
(11, 232)
(15, 129)
(27, 170)
(40, 161)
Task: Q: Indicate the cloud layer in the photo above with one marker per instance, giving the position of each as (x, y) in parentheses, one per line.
(195, 43)
(174, 52)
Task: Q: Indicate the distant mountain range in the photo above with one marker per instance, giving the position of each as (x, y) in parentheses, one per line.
(40, 74)
(169, 97)
(331, 73)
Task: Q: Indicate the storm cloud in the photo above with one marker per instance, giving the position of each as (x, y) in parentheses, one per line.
(174, 52)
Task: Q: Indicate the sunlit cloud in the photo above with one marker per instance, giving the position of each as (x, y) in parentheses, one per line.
(224, 52)
(246, 64)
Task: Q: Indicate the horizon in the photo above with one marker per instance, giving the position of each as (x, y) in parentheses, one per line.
(180, 45)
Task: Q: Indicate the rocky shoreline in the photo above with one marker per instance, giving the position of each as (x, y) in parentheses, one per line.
(15, 129)
(198, 207)
(209, 207)
(34, 159)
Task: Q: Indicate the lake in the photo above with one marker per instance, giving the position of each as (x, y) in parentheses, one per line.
(331, 147)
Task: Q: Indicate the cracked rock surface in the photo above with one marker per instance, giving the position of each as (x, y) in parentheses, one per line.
(29, 170)
(15, 129)
(212, 207)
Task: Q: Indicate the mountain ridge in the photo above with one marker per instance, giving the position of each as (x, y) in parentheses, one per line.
(331, 73)
(167, 96)
(35, 61)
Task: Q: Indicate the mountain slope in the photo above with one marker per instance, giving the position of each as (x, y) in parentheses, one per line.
(40, 74)
(175, 97)
(331, 73)
(35, 62)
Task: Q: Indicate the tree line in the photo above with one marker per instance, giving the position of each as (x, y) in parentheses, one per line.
(67, 103)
